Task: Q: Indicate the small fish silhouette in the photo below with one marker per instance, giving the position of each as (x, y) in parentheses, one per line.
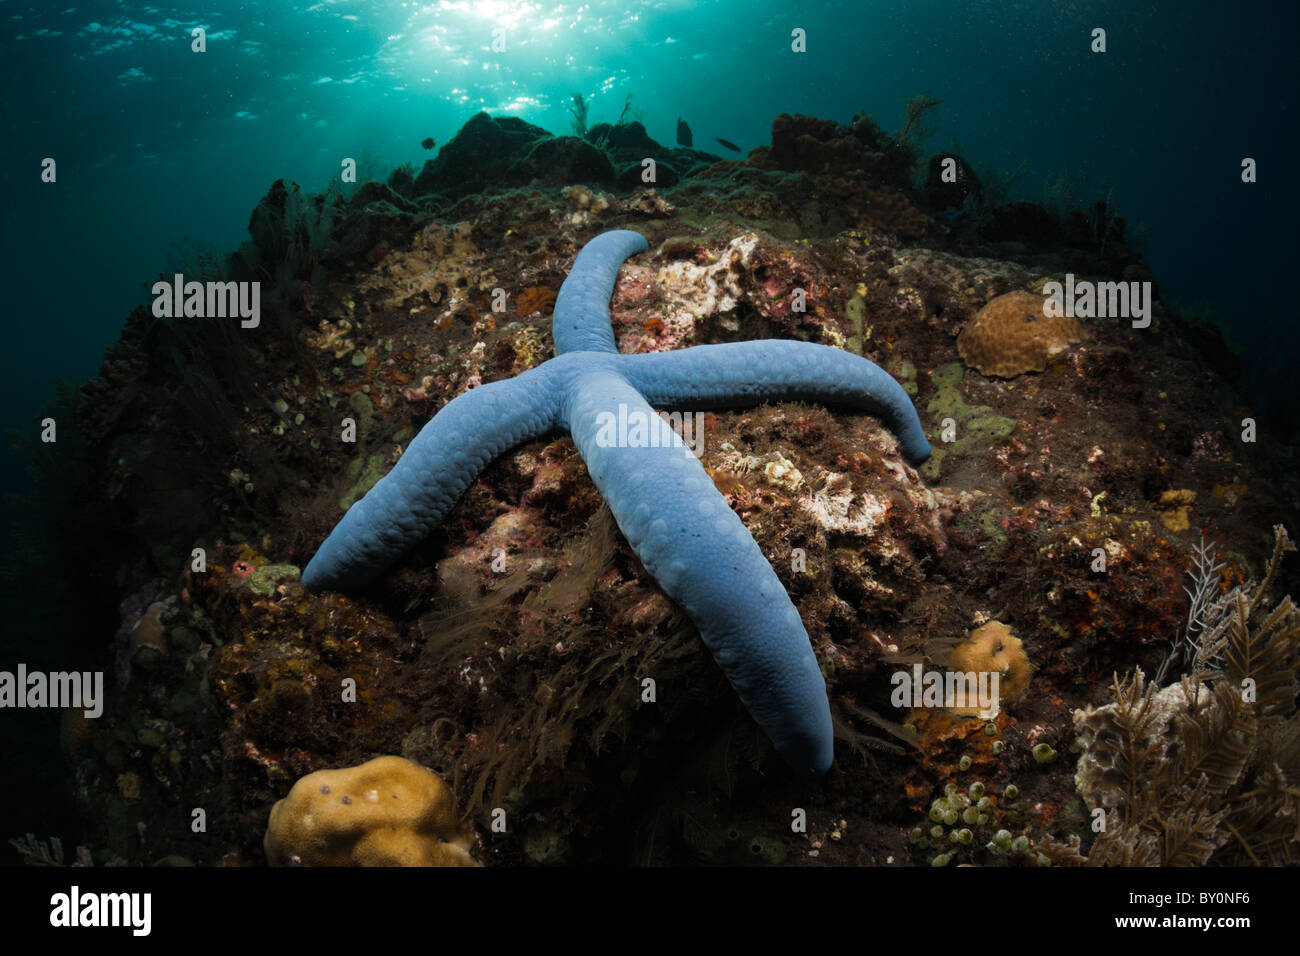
(683, 133)
(731, 146)
(428, 142)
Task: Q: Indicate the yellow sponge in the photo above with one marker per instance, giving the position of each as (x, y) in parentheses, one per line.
(387, 812)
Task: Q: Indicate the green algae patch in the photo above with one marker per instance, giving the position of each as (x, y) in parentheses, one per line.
(364, 409)
(264, 580)
(947, 375)
(907, 378)
(986, 524)
(948, 403)
(856, 312)
(933, 467)
(987, 429)
(959, 428)
(364, 473)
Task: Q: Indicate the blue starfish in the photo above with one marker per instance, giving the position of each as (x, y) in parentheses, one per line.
(666, 505)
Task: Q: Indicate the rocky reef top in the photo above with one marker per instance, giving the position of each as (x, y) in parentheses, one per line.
(508, 652)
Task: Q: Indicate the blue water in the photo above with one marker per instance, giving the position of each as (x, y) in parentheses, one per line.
(158, 146)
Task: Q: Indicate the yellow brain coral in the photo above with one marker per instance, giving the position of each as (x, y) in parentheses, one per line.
(993, 649)
(1011, 335)
(386, 812)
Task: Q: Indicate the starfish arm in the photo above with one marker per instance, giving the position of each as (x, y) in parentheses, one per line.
(749, 373)
(705, 559)
(581, 322)
(439, 464)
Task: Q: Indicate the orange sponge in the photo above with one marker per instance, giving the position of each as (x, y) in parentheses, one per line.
(993, 649)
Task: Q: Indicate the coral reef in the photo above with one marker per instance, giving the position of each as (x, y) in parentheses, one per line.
(1205, 770)
(589, 387)
(497, 151)
(510, 651)
(387, 812)
(844, 177)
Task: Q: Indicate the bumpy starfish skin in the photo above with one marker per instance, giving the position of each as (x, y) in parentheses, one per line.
(666, 505)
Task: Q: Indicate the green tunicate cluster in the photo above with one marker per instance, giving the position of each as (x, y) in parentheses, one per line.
(1003, 844)
(1043, 753)
(955, 820)
(963, 764)
(946, 811)
(977, 426)
(264, 580)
